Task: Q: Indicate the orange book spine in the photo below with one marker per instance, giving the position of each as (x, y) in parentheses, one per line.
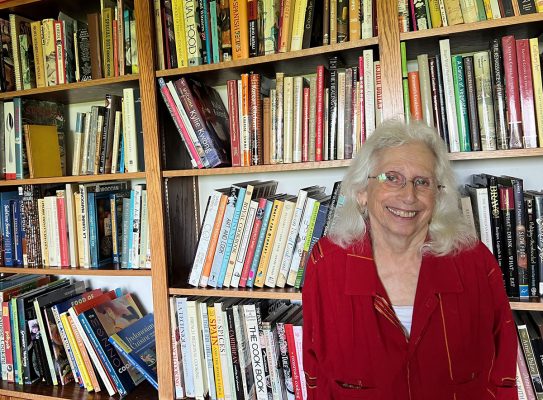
(85, 356)
(239, 25)
(414, 95)
(213, 240)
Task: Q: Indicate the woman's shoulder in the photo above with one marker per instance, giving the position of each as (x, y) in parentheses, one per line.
(477, 256)
(326, 249)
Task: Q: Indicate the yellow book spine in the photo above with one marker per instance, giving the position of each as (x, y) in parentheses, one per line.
(435, 13)
(286, 29)
(298, 23)
(488, 9)
(538, 88)
(107, 42)
(454, 12)
(539, 5)
(215, 351)
(239, 25)
(75, 349)
(179, 32)
(262, 270)
(333, 22)
(49, 51)
(35, 28)
(354, 20)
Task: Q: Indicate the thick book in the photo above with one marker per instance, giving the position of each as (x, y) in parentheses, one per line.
(42, 151)
(137, 343)
(498, 90)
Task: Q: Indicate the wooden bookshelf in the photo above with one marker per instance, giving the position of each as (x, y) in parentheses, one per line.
(242, 293)
(75, 179)
(526, 305)
(77, 271)
(40, 391)
(484, 155)
(78, 92)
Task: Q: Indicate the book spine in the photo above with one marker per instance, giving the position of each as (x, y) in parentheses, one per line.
(507, 210)
(208, 358)
(512, 94)
(319, 130)
(251, 326)
(448, 86)
(526, 92)
(461, 103)
(268, 243)
(485, 106)
(260, 244)
(531, 249)
(233, 106)
(215, 352)
(240, 29)
(256, 134)
(193, 39)
(498, 90)
(471, 95)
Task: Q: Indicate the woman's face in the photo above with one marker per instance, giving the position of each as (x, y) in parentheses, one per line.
(401, 215)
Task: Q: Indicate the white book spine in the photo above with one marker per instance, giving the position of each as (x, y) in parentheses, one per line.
(65, 343)
(495, 7)
(244, 352)
(276, 377)
(369, 92)
(298, 336)
(240, 259)
(184, 338)
(176, 351)
(221, 335)
(297, 119)
(85, 144)
(484, 217)
(291, 239)
(45, 341)
(425, 89)
(230, 365)
(71, 220)
(300, 241)
(9, 139)
(367, 23)
(279, 243)
(251, 327)
(144, 230)
(117, 129)
(205, 235)
(448, 87)
(129, 131)
(196, 350)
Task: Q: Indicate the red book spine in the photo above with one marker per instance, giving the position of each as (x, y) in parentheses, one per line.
(294, 367)
(413, 15)
(305, 126)
(514, 117)
(362, 102)
(414, 95)
(62, 232)
(526, 90)
(233, 109)
(172, 108)
(319, 126)
(257, 136)
(252, 243)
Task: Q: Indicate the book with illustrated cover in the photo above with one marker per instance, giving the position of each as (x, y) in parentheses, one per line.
(137, 343)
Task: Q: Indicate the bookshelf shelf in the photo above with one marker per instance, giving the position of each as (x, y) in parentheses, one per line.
(74, 179)
(78, 92)
(471, 27)
(482, 155)
(258, 168)
(77, 271)
(266, 293)
(531, 305)
(73, 392)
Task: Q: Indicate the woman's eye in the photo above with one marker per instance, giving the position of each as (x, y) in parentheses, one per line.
(422, 182)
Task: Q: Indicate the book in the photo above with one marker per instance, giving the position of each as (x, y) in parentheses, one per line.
(42, 150)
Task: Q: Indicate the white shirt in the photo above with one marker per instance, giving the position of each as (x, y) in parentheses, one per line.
(405, 315)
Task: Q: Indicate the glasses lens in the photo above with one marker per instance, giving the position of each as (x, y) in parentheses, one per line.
(422, 183)
(394, 179)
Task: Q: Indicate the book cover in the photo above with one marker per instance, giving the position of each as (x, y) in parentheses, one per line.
(42, 150)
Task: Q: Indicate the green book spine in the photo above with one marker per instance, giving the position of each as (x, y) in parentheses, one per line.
(461, 102)
(307, 242)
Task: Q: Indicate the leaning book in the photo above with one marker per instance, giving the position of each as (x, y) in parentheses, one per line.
(137, 343)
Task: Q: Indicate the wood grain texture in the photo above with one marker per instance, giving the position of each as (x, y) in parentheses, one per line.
(389, 55)
(74, 179)
(242, 293)
(151, 141)
(535, 305)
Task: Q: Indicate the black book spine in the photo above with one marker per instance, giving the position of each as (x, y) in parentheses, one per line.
(473, 115)
(332, 108)
(308, 24)
(527, 7)
(508, 9)
(531, 249)
(200, 12)
(442, 110)
(538, 199)
(498, 90)
(169, 35)
(238, 381)
(507, 208)
(252, 11)
(434, 83)
(333, 202)
(342, 21)
(520, 236)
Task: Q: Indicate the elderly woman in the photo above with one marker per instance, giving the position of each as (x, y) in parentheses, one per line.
(400, 301)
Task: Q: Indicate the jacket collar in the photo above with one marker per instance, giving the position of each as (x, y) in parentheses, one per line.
(437, 274)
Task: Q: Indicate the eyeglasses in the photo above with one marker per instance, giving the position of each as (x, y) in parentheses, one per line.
(396, 181)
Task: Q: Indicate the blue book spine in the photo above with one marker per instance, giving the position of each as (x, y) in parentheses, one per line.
(221, 246)
(93, 231)
(18, 232)
(8, 234)
(19, 139)
(134, 362)
(207, 33)
(128, 250)
(231, 235)
(259, 244)
(103, 347)
(214, 31)
(125, 232)
(121, 154)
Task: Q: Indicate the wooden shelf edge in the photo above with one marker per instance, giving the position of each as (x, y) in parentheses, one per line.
(69, 86)
(270, 58)
(482, 155)
(531, 305)
(15, 3)
(77, 271)
(278, 294)
(471, 27)
(74, 179)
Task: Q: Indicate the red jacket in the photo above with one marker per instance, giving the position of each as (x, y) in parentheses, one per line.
(463, 342)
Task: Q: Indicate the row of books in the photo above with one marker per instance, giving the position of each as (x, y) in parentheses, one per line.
(240, 349)
(486, 100)
(109, 138)
(97, 225)
(59, 332)
(57, 51)
(17, 156)
(295, 119)
(418, 15)
(509, 221)
(253, 237)
(529, 354)
(196, 32)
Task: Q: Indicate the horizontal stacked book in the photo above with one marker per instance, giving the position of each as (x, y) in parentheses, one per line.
(324, 116)
(509, 221)
(529, 354)
(93, 225)
(197, 32)
(57, 332)
(485, 100)
(416, 15)
(253, 237)
(64, 50)
(232, 348)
